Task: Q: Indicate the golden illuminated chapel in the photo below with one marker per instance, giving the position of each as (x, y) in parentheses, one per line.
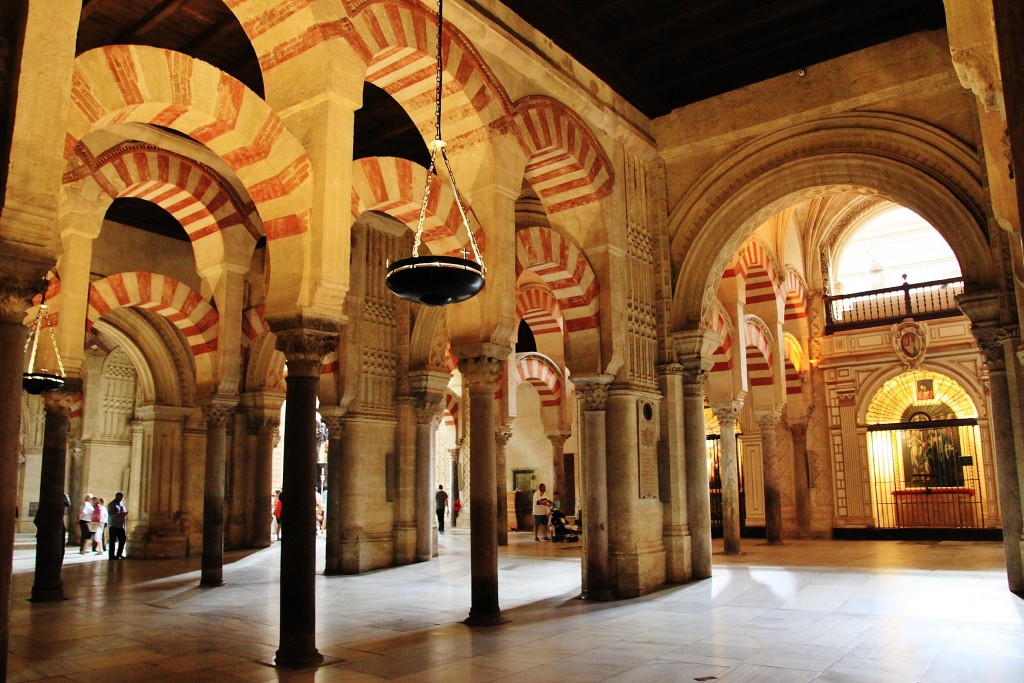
(749, 274)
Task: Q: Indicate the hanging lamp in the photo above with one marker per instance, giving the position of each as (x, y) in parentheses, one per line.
(36, 380)
(437, 280)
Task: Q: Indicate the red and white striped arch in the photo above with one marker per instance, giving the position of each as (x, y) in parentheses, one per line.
(538, 307)
(451, 409)
(399, 41)
(188, 95)
(567, 166)
(565, 270)
(395, 187)
(794, 355)
(721, 325)
(254, 325)
(543, 374)
(796, 296)
(754, 262)
(184, 307)
(196, 195)
(759, 354)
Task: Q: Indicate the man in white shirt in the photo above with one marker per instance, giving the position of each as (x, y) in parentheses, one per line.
(540, 511)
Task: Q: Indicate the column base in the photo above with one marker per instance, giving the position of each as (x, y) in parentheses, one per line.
(298, 660)
(47, 594)
(152, 543)
(598, 595)
(211, 582)
(489, 619)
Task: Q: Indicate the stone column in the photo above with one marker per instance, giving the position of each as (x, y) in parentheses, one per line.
(332, 417)
(50, 516)
(405, 474)
(558, 465)
(14, 300)
(675, 531)
(501, 439)
(481, 366)
(453, 453)
(262, 422)
(698, 491)
(592, 396)
(427, 417)
(216, 411)
(772, 479)
(304, 350)
(993, 343)
(133, 494)
(801, 478)
(76, 493)
(727, 415)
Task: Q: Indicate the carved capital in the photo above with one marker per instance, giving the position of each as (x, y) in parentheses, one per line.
(592, 392)
(405, 401)
(502, 437)
(60, 402)
(335, 425)
(257, 423)
(481, 373)
(992, 342)
(216, 411)
(727, 413)
(767, 421)
(846, 396)
(669, 369)
(558, 441)
(304, 349)
(22, 278)
(428, 413)
(694, 380)
(798, 430)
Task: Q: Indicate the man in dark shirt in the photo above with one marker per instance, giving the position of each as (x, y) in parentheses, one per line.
(440, 506)
(117, 514)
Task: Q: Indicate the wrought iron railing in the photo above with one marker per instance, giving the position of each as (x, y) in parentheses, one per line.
(934, 299)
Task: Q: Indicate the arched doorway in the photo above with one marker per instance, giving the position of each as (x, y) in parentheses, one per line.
(925, 454)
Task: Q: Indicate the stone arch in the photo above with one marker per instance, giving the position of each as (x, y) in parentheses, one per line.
(794, 363)
(264, 368)
(184, 307)
(253, 324)
(199, 198)
(758, 341)
(903, 160)
(537, 306)
(398, 42)
(796, 296)
(566, 165)
(971, 384)
(452, 404)
(428, 346)
(395, 187)
(541, 372)
(756, 263)
(238, 126)
(722, 326)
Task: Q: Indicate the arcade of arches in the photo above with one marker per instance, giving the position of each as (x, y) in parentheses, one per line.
(674, 277)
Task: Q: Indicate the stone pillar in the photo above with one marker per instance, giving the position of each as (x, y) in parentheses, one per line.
(133, 495)
(993, 343)
(304, 350)
(14, 300)
(262, 419)
(772, 479)
(76, 492)
(162, 535)
(427, 417)
(698, 491)
(49, 518)
(501, 439)
(453, 453)
(558, 465)
(481, 366)
(801, 478)
(727, 415)
(592, 396)
(332, 417)
(675, 530)
(405, 474)
(216, 411)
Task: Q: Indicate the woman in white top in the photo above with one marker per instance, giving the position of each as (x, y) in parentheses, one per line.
(84, 517)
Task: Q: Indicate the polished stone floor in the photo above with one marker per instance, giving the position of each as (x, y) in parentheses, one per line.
(807, 610)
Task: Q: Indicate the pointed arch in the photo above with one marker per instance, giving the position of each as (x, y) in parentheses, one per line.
(756, 263)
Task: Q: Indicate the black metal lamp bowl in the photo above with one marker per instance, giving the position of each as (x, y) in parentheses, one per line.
(37, 383)
(435, 280)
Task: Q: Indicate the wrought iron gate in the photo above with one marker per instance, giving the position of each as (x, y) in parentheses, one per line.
(926, 474)
(714, 451)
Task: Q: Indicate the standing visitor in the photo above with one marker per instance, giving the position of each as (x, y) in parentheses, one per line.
(440, 506)
(84, 520)
(117, 515)
(540, 511)
(278, 512)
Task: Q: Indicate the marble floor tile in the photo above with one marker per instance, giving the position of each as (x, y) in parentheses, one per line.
(832, 611)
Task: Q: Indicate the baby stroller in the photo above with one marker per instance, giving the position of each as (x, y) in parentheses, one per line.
(561, 531)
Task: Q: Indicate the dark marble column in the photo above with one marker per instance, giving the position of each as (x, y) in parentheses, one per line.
(14, 301)
(216, 411)
(335, 429)
(698, 491)
(772, 479)
(481, 366)
(727, 415)
(592, 397)
(49, 518)
(304, 350)
(801, 478)
(501, 439)
(263, 426)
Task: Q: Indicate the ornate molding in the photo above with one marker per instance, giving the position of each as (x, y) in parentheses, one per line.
(910, 342)
(992, 343)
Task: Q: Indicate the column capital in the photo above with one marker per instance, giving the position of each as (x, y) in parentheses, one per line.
(405, 401)
(502, 436)
(258, 423)
(305, 348)
(217, 410)
(558, 440)
(768, 421)
(62, 400)
(23, 278)
(798, 430)
(694, 380)
(428, 414)
(592, 391)
(335, 422)
(728, 412)
(667, 369)
(992, 343)
(481, 373)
